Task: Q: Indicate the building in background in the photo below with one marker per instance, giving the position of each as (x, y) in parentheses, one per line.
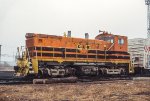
(136, 48)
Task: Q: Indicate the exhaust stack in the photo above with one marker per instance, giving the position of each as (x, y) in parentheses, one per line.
(69, 34)
(86, 36)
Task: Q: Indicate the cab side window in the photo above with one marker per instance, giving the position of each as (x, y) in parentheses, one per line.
(121, 41)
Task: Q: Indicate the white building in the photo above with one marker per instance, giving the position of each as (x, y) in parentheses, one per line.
(136, 48)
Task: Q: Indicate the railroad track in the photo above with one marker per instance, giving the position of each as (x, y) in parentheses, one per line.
(11, 81)
(70, 80)
(83, 80)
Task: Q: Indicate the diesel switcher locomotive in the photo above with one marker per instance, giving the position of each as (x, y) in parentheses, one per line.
(50, 56)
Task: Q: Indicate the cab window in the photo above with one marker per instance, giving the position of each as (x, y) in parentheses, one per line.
(108, 39)
(121, 41)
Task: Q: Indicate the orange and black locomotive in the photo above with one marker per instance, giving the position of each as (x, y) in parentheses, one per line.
(61, 56)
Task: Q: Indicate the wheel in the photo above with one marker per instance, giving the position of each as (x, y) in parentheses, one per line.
(122, 72)
(40, 74)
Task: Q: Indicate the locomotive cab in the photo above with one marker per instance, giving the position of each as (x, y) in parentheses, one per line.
(119, 50)
(119, 42)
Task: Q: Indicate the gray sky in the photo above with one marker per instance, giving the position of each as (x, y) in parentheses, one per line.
(17, 17)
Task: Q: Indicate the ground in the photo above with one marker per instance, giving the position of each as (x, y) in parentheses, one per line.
(129, 90)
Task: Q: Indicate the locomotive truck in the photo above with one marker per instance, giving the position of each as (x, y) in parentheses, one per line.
(51, 56)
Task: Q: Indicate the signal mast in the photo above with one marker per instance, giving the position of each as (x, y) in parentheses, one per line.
(147, 2)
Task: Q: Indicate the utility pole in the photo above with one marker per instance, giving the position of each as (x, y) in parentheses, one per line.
(147, 2)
